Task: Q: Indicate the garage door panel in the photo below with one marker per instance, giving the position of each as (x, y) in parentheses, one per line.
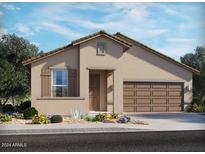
(142, 104)
(129, 109)
(129, 93)
(174, 93)
(152, 97)
(143, 86)
(129, 105)
(174, 108)
(159, 93)
(159, 100)
(129, 101)
(143, 109)
(143, 100)
(143, 93)
(159, 109)
(159, 104)
(175, 100)
(159, 86)
(175, 104)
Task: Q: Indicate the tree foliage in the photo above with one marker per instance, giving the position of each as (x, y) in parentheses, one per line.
(14, 76)
(197, 61)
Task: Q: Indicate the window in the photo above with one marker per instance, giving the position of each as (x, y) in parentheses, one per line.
(60, 83)
(101, 48)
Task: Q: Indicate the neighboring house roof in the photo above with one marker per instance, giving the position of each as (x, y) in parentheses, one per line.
(126, 38)
(77, 42)
(118, 37)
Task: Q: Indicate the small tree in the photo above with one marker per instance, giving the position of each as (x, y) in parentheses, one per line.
(14, 76)
(197, 61)
(12, 83)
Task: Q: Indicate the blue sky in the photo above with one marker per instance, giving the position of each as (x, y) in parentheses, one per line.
(171, 28)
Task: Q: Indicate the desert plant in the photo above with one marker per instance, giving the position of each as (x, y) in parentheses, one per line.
(5, 117)
(115, 115)
(18, 116)
(8, 108)
(197, 107)
(56, 119)
(123, 119)
(103, 116)
(29, 113)
(24, 105)
(92, 118)
(76, 114)
(41, 119)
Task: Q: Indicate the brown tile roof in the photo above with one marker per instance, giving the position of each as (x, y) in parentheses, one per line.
(77, 42)
(126, 38)
(118, 37)
(101, 33)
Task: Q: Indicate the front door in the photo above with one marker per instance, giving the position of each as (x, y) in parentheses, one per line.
(94, 92)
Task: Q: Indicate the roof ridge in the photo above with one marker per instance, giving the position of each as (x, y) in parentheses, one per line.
(76, 42)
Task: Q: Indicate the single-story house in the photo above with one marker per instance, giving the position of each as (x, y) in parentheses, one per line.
(113, 73)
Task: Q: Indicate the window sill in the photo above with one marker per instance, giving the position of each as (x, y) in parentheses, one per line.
(60, 98)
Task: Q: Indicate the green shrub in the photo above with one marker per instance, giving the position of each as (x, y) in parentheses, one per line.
(42, 119)
(104, 116)
(24, 106)
(101, 117)
(8, 108)
(18, 116)
(92, 118)
(29, 113)
(115, 116)
(5, 117)
(56, 119)
(197, 107)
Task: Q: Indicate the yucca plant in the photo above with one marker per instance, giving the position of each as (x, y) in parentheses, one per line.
(76, 114)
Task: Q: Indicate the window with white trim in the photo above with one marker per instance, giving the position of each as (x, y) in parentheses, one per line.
(60, 83)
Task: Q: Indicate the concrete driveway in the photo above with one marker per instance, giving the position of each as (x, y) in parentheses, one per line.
(172, 121)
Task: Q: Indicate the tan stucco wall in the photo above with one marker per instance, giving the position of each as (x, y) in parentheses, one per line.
(88, 58)
(70, 58)
(135, 64)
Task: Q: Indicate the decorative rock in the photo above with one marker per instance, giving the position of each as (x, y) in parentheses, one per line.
(139, 122)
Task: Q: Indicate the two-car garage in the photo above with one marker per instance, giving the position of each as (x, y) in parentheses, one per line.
(152, 96)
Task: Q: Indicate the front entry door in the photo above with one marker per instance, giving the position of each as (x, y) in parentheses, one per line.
(94, 92)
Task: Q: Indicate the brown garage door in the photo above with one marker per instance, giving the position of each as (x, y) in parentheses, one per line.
(152, 97)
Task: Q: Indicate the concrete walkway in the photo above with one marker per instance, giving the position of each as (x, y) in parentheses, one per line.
(157, 122)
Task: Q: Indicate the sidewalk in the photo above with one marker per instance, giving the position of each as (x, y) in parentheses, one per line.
(156, 121)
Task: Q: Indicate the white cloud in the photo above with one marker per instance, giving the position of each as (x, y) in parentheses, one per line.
(170, 10)
(156, 32)
(3, 31)
(9, 6)
(1, 13)
(169, 24)
(66, 32)
(176, 51)
(36, 43)
(24, 29)
(180, 40)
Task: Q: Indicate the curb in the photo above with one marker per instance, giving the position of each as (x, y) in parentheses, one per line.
(82, 131)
